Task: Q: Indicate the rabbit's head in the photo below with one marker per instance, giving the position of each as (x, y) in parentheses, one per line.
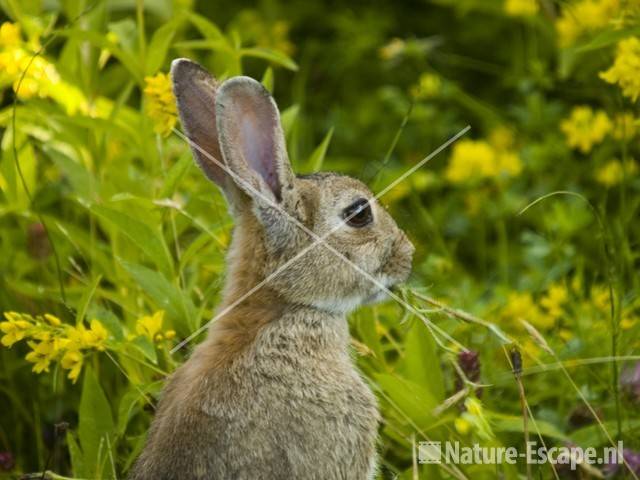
(237, 139)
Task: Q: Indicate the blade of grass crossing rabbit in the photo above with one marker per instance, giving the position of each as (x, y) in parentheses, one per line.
(318, 240)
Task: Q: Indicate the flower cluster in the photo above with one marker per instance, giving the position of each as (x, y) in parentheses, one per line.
(614, 171)
(50, 340)
(584, 16)
(625, 70)
(16, 57)
(480, 159)
(32, 75)
(585, 128)
(160, 103)
(542, 314)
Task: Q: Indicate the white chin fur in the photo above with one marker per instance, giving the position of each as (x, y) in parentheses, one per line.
(339, 305)
(345, 305)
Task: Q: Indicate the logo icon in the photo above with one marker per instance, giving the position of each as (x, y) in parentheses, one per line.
(430, 452)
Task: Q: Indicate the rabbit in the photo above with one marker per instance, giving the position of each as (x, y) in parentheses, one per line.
(272, 393)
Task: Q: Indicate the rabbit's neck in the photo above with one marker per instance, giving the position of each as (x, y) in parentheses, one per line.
(249, 307)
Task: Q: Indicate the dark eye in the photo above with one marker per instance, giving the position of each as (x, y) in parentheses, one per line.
(358, 214)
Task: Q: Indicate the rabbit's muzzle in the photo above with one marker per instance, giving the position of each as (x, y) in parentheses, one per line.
(397, 266)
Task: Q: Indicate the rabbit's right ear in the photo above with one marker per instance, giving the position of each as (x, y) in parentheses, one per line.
(195, 91)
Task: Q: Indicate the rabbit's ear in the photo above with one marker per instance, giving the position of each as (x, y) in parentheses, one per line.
(252, 141)
(195, 90)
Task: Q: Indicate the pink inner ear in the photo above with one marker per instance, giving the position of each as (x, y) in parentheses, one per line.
(259, 150)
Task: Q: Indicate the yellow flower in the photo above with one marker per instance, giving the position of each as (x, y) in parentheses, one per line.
(9, 34)
(565, 334)
(613, 172)
(584, 128)
(584, 16)
(170, 334)
(625, 70)
(521, 8)
(520, 306)
(96, 335)
(428, 86)
(462, 425)
(72, 360)
(554, 299)
(42, 335)
(470, 159)
(41, 355)
(600, 298)
(160, 103)
(478, 159)
(15, 328)
(81, 337)
(624, 126)
(509, 164)
(475, 416)
(627, 323)
(52, 319)
(150, 325)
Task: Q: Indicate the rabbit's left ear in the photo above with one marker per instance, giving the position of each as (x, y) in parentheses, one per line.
(252, 142)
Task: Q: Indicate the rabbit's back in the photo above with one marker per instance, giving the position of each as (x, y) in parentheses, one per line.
(289, 406)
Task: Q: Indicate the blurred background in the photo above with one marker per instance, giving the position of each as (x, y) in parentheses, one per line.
(526, 227)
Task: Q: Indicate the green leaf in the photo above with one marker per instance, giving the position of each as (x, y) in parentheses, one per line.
(607, 38)
(77, 460)
(80, 179)
(129, 403)
(593, 435)
(366, 327)
(288, 118)
(128, 60)
(167, 297)
(86, 298)
(146, 347)
(316, 159)
(267, 79)
(513, 424)
(420, 362)
(409, 399)
(273, 56)
(159, 45)
(95, 424)
(208, 29)
(141, 234)
(175, 174)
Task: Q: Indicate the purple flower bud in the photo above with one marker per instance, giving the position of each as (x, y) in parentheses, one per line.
(469, 362)
(631, 458)
(7, 461)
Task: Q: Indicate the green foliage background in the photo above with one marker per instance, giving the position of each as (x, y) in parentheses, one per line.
(367, 89)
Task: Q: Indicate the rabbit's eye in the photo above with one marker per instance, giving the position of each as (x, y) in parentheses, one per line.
(358, 214)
